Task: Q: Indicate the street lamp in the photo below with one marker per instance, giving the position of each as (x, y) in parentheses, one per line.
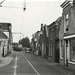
(24, 8)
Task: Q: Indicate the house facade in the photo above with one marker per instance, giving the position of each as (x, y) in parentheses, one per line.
(6, 29)
(44, 40)
(39, 41)
(67, 34)
(3, 44)
(53, 30)
(35, 43)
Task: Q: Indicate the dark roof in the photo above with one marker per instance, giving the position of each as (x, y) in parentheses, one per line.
(53, 23)
(4, 23)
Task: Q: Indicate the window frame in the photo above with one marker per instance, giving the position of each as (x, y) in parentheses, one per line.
(66, 23)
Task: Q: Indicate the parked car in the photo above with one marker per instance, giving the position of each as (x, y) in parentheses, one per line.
(27, 50)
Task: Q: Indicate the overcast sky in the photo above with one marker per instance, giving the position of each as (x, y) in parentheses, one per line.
(28, 22)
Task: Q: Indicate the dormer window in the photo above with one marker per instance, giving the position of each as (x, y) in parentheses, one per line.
(66, 23)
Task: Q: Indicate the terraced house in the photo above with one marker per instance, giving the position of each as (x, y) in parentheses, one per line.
(58, 38)
(67, 34)
(44, 40)
(53, 40)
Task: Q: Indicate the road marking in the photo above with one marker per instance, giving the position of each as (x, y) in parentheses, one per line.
(15, 67)
(31, 65)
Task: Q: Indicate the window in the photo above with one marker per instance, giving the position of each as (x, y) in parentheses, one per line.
(72, 48)
(66, 18)
(66, 23)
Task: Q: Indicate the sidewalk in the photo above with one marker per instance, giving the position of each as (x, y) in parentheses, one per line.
(68, 69)
(5, 60)
(57, 65)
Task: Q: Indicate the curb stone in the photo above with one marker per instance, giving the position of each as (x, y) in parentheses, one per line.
(5, 61)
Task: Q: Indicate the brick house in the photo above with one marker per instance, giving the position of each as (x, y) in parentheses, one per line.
(67, 34)
(6, 28)
(53, 30)
(35, 42)
(44, 40)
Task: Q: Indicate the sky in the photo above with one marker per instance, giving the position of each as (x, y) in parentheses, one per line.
(29, 21)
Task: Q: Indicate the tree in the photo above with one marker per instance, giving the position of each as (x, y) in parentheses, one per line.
(25, 42)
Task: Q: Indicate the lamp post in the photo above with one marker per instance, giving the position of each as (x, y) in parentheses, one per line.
(24, 8)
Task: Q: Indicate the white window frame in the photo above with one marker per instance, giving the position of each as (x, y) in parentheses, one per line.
(67, 52)
(66, 22)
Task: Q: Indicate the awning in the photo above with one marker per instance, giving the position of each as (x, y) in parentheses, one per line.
(69, 36)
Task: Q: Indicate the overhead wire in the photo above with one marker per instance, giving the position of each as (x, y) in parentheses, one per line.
(24, 8)
(2, 1)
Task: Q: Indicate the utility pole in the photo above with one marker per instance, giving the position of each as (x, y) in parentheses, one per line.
(24, 5)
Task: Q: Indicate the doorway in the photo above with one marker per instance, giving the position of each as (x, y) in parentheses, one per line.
(66, 52)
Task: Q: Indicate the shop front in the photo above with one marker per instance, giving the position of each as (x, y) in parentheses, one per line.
(69, 51)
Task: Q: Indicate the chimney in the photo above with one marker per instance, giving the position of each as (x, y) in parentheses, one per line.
(41, 24)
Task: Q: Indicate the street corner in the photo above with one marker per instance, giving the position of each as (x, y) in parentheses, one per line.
(5, 61)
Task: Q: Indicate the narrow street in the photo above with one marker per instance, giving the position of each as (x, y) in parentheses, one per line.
(29, 64)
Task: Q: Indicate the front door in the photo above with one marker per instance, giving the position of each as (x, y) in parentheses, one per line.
(66, 52)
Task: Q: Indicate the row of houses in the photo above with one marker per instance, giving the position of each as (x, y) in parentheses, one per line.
(56, 41)
(5, 39)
